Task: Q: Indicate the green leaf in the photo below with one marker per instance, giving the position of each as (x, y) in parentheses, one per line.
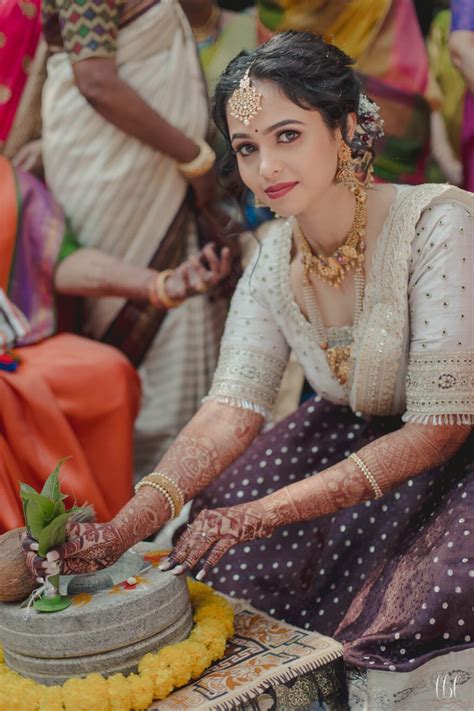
(53, 534)
(25, 491)
(51, 488)
(59, 508)
(39, 512)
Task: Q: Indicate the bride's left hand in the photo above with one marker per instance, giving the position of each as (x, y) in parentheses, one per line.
(214, 532)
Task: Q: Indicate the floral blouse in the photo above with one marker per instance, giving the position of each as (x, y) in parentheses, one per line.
(413, 351)
(84, 28)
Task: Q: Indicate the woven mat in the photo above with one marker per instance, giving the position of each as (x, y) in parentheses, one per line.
(263, 652)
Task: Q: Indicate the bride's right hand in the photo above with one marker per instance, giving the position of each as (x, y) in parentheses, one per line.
(89, 547)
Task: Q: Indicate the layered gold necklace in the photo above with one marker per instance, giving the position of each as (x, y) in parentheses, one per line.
(332, 270)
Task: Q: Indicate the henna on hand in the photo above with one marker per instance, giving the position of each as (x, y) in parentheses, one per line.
(214, 532)
(214, 438)
(391, 460)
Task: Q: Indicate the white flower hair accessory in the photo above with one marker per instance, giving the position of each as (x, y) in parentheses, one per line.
(369, 122)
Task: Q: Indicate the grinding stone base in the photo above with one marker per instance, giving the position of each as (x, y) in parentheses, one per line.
(125, 660)
(108, 630)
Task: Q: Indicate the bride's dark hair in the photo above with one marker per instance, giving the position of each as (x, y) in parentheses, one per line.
(310, 72)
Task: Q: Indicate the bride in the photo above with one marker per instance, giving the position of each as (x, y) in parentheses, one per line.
(366, 492)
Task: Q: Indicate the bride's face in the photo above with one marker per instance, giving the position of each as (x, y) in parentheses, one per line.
(287, 155)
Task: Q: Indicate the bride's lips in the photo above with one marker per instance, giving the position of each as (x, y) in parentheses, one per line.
(279, 190)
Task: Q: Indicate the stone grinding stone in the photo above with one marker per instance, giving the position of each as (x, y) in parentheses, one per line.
(109, 633)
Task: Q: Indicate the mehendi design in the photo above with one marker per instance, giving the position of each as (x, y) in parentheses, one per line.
(215, 531)
(391, 460)
(193, 461)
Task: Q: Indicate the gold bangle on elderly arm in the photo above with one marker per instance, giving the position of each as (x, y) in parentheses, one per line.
(200, 165)
(161, 296)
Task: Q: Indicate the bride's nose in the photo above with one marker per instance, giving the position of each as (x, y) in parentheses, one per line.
(269, 166)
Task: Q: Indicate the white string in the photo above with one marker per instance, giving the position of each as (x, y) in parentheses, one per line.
(34, 595)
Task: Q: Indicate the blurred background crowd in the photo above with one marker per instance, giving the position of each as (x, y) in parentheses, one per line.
(100, 102)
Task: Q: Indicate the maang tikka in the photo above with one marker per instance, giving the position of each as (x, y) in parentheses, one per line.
(246, 101)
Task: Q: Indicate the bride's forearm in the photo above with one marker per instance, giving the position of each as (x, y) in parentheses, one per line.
(216, 436)
(390, 460)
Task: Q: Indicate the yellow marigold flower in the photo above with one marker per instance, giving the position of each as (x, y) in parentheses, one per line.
(19, 695)
(89, 694)
(163, 683)
(148, 663)
(195, 587)
(142, 689)
(212, 633)
(198, 657)
(174, 658)
(51, 698)
(217, 612)
(120, 694)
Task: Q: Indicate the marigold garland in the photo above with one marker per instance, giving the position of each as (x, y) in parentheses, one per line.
(158, 675)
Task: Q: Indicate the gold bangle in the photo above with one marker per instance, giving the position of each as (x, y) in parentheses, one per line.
(203, 32)
(160, 288)
(200, 165)
(173, 490)
(370, 478)
(162, 490)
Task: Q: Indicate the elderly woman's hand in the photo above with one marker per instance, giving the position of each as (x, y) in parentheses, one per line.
(214, 532)
(199, 273)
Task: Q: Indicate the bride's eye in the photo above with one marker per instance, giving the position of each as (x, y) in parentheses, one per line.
(245, 149)
(288, 136)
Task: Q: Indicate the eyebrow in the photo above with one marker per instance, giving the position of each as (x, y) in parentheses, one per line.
(268, 130)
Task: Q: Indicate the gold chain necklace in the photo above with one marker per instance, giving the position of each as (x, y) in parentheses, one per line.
(350, 255)
(332, 270)
(338, 357)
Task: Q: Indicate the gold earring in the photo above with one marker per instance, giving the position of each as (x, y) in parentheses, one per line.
(345, 173)
(258, 202)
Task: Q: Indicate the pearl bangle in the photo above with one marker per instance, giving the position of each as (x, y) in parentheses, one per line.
(370, 478)
(161, 489)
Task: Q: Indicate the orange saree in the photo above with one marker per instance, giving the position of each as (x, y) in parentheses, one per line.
(69, 397)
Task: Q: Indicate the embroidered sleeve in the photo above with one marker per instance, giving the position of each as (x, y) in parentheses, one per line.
(253, 352)
(440, 377)
(89, 27)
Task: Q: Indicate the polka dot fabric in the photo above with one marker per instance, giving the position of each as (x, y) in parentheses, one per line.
(393, 578)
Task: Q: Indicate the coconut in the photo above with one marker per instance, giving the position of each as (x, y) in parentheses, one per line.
(16, 582)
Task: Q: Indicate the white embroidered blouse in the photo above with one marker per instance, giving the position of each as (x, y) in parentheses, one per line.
(413, 350)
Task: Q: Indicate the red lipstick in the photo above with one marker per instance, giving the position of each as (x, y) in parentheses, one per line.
(278, 190)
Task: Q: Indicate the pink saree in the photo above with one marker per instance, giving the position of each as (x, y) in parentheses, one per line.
(20, 29)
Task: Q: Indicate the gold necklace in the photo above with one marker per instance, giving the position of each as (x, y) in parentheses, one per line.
(337, 357)
(350, 255)
(203, 32)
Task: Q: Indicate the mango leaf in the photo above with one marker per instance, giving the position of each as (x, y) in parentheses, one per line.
(59, 509)
(53, 534)
(39, 512)
(51, 487)
(25, 491)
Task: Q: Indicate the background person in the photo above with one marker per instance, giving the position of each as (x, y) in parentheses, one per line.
(70, 396)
